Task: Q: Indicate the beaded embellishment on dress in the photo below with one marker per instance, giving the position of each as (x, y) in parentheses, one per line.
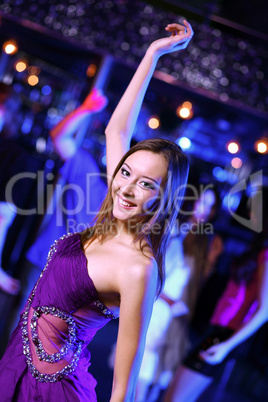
(108, 313)
(72, 342)
(42, 355)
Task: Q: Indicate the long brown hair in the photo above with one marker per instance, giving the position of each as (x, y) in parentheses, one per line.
(158, 222)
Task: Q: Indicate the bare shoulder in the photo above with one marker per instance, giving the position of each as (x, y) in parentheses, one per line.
(139, 273)
(142, 267)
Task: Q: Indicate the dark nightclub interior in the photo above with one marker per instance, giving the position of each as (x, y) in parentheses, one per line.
(210, 99)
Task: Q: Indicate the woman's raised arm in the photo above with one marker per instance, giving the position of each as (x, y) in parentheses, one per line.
(64, 134)
(121, 125)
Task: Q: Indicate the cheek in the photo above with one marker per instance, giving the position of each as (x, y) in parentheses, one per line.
(115, 186)
(149, 202)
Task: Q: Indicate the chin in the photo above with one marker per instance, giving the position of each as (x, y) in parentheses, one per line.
(121, 215)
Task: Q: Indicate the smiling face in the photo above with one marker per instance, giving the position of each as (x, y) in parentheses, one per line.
(136, 184)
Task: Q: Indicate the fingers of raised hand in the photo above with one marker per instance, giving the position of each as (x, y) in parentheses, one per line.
(95, 93)
(95, 100)
(189, 29)
(175, 28)
(180, 30)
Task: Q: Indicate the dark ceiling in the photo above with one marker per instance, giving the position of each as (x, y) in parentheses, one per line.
(248, 16)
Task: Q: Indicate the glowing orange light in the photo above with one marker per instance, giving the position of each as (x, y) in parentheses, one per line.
(261, 146)
(233, 147)
(33, 80)
(20, 66)
(185, 111)
(91, 70)
(188, 105)
(10, 47)
(154, 122)
(236, 163)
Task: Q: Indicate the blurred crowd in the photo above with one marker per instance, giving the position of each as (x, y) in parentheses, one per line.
(206, 322)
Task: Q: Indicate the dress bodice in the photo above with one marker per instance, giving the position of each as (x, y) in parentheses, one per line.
(62, 314)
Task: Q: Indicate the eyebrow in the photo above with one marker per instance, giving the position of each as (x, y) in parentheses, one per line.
(150, 178)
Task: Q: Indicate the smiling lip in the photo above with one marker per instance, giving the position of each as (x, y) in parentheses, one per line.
(125, 204)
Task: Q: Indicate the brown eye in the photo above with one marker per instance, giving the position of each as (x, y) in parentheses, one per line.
(124, 172)
(148, 185)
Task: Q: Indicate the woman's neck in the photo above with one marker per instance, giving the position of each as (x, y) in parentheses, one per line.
(123, 231)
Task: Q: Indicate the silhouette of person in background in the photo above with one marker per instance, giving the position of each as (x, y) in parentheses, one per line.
(79, 191)
(7, 214)
(240, 312)
(190, 259)
(9, 165)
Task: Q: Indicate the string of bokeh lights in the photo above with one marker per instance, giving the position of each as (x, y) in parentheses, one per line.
(184, 111)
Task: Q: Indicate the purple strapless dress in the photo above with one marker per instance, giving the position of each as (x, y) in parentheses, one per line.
(46, 358)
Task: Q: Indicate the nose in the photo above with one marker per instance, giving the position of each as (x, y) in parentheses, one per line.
(129, 190)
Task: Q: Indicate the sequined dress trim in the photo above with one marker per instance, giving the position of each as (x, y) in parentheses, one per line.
(72, 341)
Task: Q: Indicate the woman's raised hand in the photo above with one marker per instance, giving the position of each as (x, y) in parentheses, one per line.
(122, 123)
(179, 39)
(95, 102)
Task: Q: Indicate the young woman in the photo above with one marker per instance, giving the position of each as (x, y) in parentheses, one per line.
(116, 263)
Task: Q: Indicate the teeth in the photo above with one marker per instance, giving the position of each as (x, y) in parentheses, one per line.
(125, 203)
